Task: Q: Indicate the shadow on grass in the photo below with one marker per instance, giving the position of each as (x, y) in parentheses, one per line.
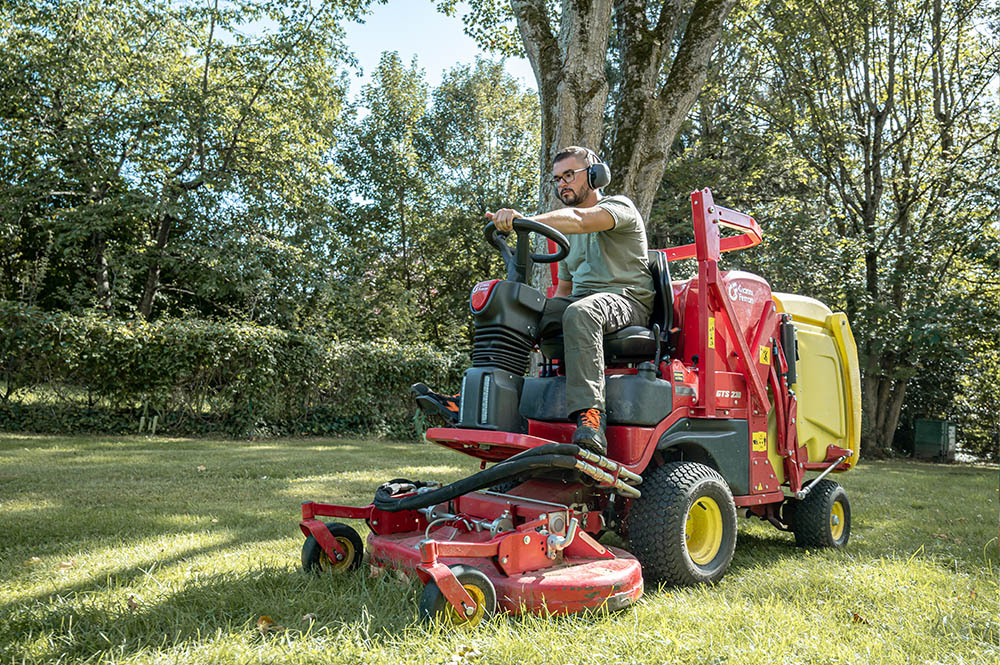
(227, 603)
(122, 507)
(110, 501)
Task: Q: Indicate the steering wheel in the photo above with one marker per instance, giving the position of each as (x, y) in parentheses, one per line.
(519, 267)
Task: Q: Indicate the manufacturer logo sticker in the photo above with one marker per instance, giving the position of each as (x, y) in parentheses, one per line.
(741, 293)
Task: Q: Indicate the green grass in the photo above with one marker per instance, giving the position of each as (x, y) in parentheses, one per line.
(121, 550)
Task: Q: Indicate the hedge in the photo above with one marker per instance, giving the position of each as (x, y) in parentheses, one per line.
(65, 373)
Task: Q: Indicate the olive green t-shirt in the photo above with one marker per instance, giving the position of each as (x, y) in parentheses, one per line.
(612, 261)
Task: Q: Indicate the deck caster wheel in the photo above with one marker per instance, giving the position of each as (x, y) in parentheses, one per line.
(823, 518)
(315, 560)
(434, 606)
(683, 529)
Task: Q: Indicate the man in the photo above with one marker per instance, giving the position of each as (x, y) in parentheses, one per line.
(604, 282)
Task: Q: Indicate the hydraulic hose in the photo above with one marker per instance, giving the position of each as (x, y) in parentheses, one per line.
(546, 449)
(528, 460)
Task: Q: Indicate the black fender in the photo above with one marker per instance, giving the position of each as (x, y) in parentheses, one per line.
(723, 445)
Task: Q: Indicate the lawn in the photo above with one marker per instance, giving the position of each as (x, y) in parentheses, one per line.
(154, 550)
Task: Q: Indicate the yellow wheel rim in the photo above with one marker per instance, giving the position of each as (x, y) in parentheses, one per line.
(837, 520)
(479, 598)
(703, 530)
(336, 567)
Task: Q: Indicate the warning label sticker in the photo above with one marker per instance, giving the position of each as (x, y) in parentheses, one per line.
(765, 355)
(711, 332)
(760, 442)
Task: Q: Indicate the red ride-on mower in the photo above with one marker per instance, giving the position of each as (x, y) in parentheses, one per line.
(726, 402)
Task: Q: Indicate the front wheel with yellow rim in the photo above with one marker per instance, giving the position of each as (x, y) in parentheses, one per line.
(683, 529)
(315, 560)
(435, 607)
(823, 518)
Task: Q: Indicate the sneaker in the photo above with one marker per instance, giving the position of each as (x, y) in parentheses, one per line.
(435, 403)
(590, 428)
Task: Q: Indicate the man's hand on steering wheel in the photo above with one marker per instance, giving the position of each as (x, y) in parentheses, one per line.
(504, 218)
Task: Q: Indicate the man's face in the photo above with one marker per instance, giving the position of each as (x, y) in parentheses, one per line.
(572, 185)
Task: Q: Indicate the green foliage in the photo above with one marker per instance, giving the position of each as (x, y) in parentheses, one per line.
(198, 376)
(868, 163)
(427, 168)
(148, 145)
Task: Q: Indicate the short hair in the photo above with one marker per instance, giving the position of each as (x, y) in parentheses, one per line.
(588, 156)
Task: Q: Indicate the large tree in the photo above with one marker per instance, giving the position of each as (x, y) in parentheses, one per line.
(426, 167)
(657, 54)
(893, 113)
(127, 124)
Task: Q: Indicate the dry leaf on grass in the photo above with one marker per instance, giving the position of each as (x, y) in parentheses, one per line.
(857, 618)
(66, 565)
(132, 605)
(309, 617)
(265, 625)
(33, 560)
(201, 468)
(464, 654)
(375, 571)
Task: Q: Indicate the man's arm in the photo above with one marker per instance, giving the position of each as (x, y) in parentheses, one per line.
(565, 220)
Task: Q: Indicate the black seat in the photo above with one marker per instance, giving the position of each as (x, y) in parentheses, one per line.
(635, 343)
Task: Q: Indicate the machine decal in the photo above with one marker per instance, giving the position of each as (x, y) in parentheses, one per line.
(711, 332)
(760, 442)
(765, 355)
(741, 293)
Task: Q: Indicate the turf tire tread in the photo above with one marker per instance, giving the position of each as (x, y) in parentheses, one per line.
(812, 516)
(656, 523)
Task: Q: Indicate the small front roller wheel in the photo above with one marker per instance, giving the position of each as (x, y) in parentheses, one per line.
(683, 529)
(434, 606)
(823, 518)
(315, 560)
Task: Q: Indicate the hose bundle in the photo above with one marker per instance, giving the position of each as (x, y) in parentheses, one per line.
(548, 456)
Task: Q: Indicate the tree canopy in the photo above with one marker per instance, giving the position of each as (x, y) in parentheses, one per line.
(175, 160)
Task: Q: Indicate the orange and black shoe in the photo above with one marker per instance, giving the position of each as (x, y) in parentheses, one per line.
(436, 404)
(590, 431)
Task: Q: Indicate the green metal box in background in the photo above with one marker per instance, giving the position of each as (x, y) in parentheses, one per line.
(934, 439)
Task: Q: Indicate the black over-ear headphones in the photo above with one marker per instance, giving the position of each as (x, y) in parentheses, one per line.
(598, 173)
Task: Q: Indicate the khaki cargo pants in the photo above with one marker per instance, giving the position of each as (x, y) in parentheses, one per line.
(584, 321)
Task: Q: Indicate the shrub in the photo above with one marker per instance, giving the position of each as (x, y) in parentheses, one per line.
(60, 372)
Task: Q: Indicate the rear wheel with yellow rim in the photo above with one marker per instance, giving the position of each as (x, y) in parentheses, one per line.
(683, 529)
(315, 560)
(435, 607)
(823, 518)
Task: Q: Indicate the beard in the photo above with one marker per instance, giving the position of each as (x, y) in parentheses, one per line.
(569, 196)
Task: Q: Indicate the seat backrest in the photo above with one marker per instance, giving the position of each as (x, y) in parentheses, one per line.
(663, 303)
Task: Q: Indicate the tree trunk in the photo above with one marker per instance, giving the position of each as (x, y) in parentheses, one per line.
(402, 230)
(103, 286)
(882, 400)
(658, 86)
(650, 113)
(153, 275)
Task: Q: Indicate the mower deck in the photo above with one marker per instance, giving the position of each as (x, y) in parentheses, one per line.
(576, 584)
